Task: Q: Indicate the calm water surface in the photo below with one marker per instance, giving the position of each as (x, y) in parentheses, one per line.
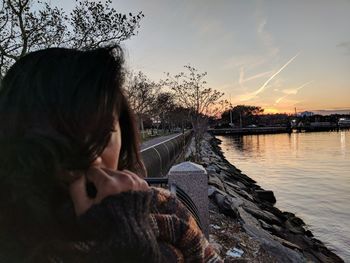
(309, 174)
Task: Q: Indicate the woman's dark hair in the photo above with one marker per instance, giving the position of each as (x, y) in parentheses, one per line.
(58, 108)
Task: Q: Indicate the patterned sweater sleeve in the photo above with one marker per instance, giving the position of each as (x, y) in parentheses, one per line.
(120, 227)
(176, 226)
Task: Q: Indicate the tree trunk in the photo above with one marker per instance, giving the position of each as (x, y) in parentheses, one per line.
(141, 127)
(240, 120)
(198, 136)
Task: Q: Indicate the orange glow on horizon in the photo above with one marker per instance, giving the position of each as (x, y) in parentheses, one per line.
(271, 110)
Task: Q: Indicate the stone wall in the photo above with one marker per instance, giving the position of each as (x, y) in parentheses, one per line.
(245, 224)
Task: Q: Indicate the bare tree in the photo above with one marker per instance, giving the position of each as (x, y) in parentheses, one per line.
(24, 28)
(142, 94)
(95, 24)
(163, 106)
(181, 117)
(191, 92)
(216, 110)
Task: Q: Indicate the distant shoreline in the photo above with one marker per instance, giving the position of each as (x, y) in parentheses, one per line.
(274, 130)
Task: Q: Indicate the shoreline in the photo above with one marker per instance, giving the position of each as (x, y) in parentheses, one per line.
(243, 218)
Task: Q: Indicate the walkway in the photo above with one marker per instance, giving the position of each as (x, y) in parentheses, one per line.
(157, 140)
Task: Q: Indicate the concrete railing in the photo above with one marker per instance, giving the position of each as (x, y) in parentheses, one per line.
(158, 158)
(189, 182)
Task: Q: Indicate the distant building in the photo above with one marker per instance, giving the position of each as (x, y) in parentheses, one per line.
(344, 122)
(305, 114)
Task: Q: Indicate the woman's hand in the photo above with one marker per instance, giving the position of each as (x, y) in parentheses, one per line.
(107, 183)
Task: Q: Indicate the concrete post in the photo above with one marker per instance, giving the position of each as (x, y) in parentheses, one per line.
(193, 180)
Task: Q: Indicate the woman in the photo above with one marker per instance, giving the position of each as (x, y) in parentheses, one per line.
(71, 187)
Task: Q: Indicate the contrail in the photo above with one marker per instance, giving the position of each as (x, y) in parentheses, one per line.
(259, 75)
(305, 84)
(274, 75)
(293, 92)
(241, 77)
(279, 99)
(251, 95)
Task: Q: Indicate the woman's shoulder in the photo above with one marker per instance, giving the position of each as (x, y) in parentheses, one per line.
(163, 202)
(162, 196)
(174, 224)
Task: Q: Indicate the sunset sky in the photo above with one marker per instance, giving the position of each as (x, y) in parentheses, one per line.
(275, 54)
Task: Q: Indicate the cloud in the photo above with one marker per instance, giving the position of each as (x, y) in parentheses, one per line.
(266, 38)
(289, 92)
(246, 61)
(333, 111)
(261, 26)
(259, 75)
(242, 79)
(254, 94)
(279, 99)
(290, 103)
(295, 91)
(345, 46)
(210, 27)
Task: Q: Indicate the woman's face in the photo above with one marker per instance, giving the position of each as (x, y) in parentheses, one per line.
(110, 156)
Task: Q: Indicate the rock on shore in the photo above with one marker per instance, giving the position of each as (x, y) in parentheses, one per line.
(244, 224)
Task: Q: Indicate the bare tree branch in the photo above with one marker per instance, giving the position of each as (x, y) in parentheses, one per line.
(142, 94)
(191, 93)
(90, 25)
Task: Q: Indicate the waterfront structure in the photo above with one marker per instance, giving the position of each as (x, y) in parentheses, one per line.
(344, 122)
(305, 114)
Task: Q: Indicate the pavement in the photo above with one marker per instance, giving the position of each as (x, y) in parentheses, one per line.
(157, 140)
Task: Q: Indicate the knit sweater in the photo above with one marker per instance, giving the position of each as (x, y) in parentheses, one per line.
(152, 226)
(149, 226)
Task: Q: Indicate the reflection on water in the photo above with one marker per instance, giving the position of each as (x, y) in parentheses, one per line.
(343, 142)
(309, 173)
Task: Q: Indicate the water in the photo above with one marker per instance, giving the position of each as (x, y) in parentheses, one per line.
(309, 174)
